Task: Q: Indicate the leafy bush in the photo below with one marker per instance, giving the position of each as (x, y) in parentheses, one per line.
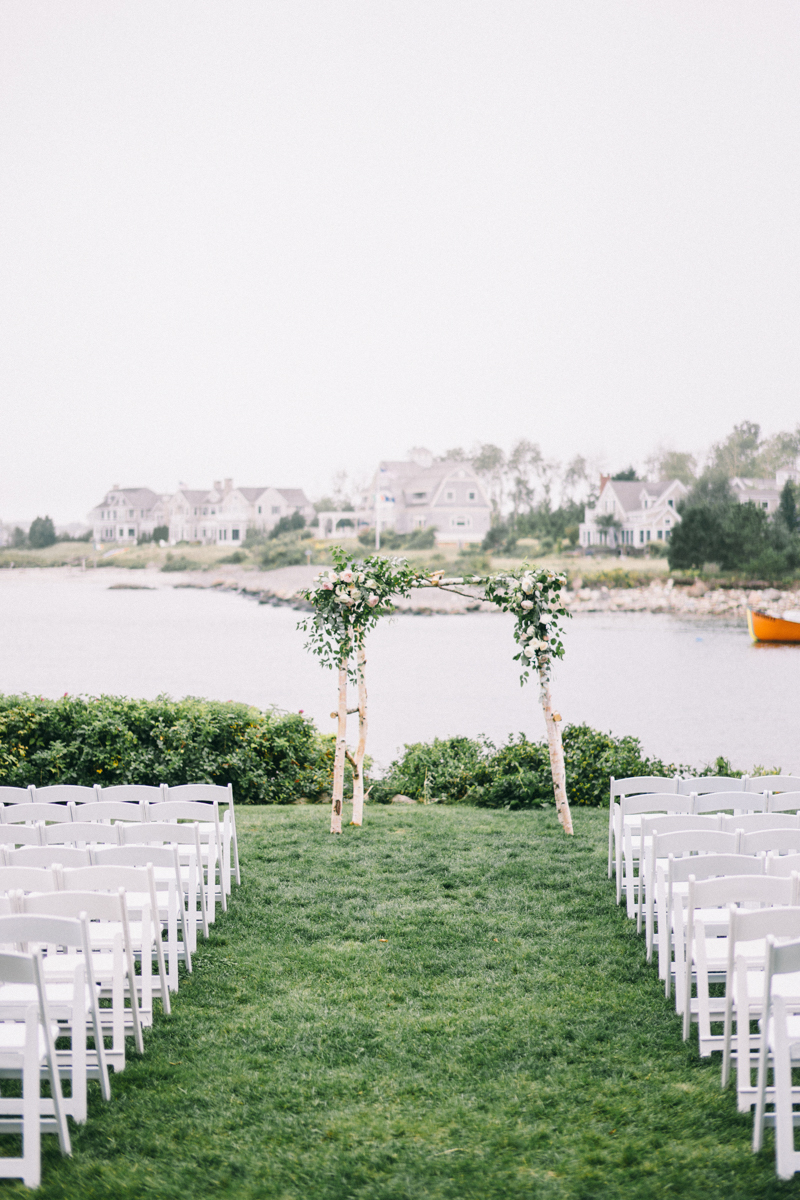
(517, 775)
(616, 577)
(238, 556)
(41, 533)
(288, 525)
(269, 757)
(284, 551)
(180, 563)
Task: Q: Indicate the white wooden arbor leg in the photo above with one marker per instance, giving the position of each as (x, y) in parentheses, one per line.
(358, 773)
(556, 751)
(337, 798)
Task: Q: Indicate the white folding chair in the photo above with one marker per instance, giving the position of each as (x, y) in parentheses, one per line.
(664, 823)
(210, 828)
(628, 837)
(657, 850)
(82, 834)
(140, 894)
(166, 873)
(64, 793)
(619, 789)
(208, 793)
(744, 992)
(27, 1047)
(776, 783)
(779, 1046)
(190, 855)
(708, 908)
(12, 837)
(15, 795)
(67, 972)
(27, 879)
(111, 963)
(110, 811)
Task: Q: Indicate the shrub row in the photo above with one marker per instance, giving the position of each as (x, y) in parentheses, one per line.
(269, 757)
(277, 758)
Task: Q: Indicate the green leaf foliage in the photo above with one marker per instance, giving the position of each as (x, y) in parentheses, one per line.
(269, 757)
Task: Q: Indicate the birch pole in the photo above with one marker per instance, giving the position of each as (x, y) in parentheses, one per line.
(557, 768)
(358, 768)
(337, 798)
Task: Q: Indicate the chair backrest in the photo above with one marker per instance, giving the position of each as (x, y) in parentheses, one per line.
(184, 810)
(714, 866)
(670, 822)
(133, 856)
(694, 841)
(105, 879)
(207, 792)
(654, 802)
(21, 835)
(782, 864)
(738, 801)
(48, 856)
(781, 960)
(43, 930)
(133, 793)
(15, 795)
(63, 793)
(775, 783)
(786, 841)
(632, 786)
(701, 785)
(35, 811)
(27, 879)
(98, 906)
(783, 802)
(756, 924)
(724, 890)
(78, 832)
(110, 811)
(751, 822)
(17, 968)
(158, 831)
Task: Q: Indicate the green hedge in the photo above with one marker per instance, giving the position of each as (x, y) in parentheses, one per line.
(517, 775)
(269, 757)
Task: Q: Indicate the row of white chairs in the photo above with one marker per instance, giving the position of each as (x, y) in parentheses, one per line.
(64, 794)
(718, 896)
(95, 918)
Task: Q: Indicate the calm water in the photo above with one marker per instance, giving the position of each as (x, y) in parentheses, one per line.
(689, 689)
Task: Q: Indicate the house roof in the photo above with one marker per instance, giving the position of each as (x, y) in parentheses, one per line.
(138, 496)
(293, 496)
(251, 494)
(630, 494)
(194, 497)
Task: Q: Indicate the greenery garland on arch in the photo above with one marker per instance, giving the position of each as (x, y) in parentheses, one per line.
(350, 599)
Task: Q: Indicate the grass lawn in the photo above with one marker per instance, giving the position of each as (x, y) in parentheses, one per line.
(446, 1003)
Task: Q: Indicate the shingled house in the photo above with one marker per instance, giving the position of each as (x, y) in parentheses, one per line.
(641, 513)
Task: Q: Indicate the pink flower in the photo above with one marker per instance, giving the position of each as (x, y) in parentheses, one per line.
(327, 586)
(373, 600)
(346, 576)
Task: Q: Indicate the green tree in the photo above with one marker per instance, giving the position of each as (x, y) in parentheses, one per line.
(673, 464)
(627, 476)
(18, 538)
(288, 525)
(738, 453)
(41, 533)
(787, 506)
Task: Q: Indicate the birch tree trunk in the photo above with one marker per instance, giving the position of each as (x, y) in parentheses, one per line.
(556, 751)
(358, 771)
(337, 799)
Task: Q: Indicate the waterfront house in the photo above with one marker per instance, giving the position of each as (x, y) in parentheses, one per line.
(420, 493)
(632, 514)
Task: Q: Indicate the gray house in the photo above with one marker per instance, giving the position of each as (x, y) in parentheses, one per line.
(422, 494)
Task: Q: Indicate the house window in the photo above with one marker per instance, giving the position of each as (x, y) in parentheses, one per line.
(641, 535)
(122, 533)
(667, 522)
(418, 495)
(648, 535)
(671, 503)
(470, 495)
(460, 522)
(234, 535)
(765, 503)
(450, 496)
(276, 510)
(420, 522)
(205, 512)
(259, 508)
(660, 535)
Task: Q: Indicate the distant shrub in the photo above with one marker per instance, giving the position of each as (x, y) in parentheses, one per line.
(283, 552)
(180, 562)
(161, 533)
(41, 533)
(238, 556)
(269, 757)
(616, 577)
(288, 525)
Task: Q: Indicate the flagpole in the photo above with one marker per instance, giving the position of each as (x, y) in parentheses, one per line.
(377, 519)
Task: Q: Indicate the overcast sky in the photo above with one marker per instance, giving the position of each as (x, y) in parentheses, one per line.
(272, 240)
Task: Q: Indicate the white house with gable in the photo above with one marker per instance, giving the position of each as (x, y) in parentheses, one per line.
(421, 494)
(646, 513)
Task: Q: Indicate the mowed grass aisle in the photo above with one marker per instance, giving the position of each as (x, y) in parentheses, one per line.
(446, 1003)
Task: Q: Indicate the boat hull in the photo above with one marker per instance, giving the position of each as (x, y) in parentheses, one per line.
(771, 629)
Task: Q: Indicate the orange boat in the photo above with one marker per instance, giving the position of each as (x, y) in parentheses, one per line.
(764, 628)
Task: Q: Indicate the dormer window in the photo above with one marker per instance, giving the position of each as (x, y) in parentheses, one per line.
(419, 495)
(449, 495)
(671, 503)
(470, 495)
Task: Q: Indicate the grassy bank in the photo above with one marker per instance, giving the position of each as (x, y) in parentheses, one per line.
(446, 1003)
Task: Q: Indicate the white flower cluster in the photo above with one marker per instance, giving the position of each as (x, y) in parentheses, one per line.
(349, 587)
